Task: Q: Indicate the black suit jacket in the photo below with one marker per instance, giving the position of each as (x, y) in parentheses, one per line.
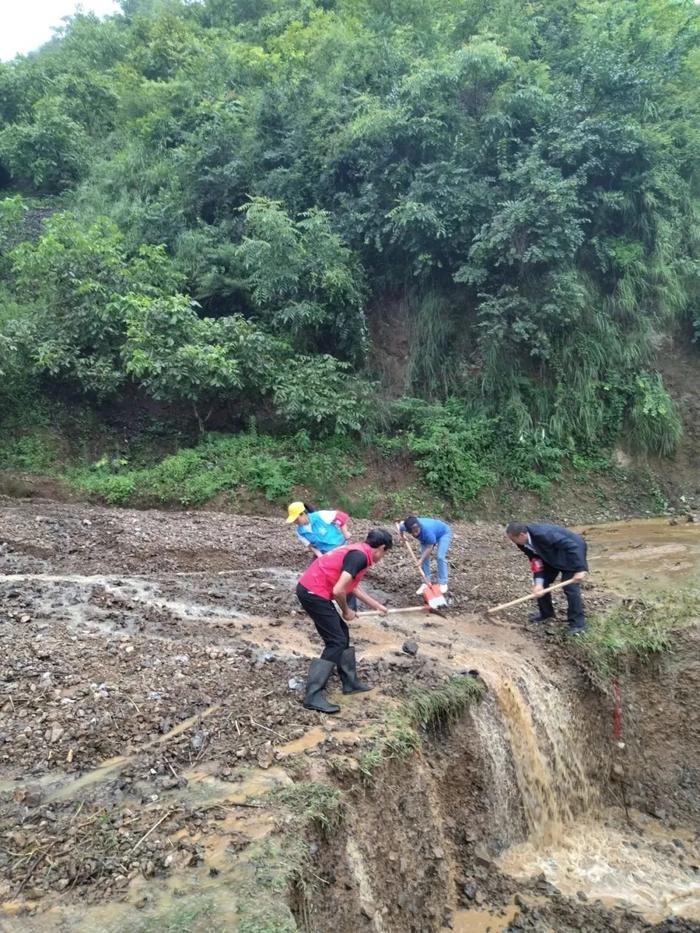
(558, 547)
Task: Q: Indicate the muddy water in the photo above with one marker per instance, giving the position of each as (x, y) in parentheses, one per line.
(618, 864)
(529, 731)
(529, 734)
(650, 553)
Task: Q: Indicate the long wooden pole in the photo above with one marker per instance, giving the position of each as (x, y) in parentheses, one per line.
(524, 599)
(376, 612)
(415, 559)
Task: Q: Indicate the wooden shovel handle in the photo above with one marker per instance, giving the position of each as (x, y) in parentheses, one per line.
(524, 599)
(376, 612)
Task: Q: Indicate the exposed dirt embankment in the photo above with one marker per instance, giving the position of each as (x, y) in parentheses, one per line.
(157, 769)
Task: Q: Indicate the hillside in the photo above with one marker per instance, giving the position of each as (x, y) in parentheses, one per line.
(450, 238)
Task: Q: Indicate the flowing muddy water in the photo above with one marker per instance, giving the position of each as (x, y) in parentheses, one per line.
(528, 729)
(534, 748)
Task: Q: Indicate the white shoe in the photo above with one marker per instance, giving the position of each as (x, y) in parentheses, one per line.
(443, 587)
(420, 590)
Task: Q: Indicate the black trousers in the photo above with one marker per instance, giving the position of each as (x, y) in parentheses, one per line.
(330, 626)
(575, 614)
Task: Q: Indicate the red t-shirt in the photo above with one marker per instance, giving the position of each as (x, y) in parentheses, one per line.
(323, 574)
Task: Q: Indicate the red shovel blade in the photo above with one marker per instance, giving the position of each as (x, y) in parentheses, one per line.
(433, 596)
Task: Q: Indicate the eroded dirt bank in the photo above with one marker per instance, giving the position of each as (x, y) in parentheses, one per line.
(151, 665)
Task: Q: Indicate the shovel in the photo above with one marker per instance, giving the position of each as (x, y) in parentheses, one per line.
(524, 599)
(432, 594)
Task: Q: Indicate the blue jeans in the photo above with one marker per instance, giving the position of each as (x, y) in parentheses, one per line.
(442, 546)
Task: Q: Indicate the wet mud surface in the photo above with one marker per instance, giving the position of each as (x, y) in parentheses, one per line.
(151, 667)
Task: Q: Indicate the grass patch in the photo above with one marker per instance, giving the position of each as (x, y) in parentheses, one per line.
(262, 921)
(313, 804)
(192, 915)
(282, 864)
(636, 629)
(438, 709)
(428, 710)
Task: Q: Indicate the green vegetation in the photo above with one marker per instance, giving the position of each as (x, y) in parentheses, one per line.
(438, 709)
(315, 805)
(281, 864)
(221, 212)
(222, 463)
(194, 914)
(636, 629)
(398, 737)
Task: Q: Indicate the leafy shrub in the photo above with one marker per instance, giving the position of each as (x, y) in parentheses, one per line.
(73, 280)
(33, 453)
(114, 489)
(303, 278)
(49, 153)
(316, 391)
(449, 447)
(655, 424)
(221, 463)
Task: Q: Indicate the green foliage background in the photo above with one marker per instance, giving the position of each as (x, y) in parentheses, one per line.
(232, 209)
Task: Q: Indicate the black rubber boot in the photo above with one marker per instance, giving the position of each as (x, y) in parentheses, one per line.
(348, 673)
(315, 698)
(538, 617)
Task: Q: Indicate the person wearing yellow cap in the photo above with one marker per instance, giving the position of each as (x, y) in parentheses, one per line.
(319, 531)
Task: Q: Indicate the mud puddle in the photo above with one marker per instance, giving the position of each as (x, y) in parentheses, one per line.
(651, 553)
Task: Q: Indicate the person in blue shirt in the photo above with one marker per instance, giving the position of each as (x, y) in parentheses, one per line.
(319, 531)
(433, 535)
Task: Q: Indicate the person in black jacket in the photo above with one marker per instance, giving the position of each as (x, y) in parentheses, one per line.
(553, 550)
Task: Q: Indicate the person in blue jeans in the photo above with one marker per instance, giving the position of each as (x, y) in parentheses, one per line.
(433, 535)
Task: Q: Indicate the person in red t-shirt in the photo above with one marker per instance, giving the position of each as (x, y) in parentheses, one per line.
(334, 576)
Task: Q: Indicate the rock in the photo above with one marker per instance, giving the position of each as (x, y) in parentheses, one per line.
(479, 898)
(32, 798)
(410, 647)
(483, 859)
(438, 853)
(56, 734)
(266, 755)
(369, 910)
(295, 683)
(470, 891)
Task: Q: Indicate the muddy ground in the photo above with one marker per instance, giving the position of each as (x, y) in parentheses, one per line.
(152, 667)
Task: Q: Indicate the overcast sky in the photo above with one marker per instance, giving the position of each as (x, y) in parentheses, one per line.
(27, 24)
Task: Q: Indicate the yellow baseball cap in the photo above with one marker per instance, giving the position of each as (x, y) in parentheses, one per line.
(294, 510)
